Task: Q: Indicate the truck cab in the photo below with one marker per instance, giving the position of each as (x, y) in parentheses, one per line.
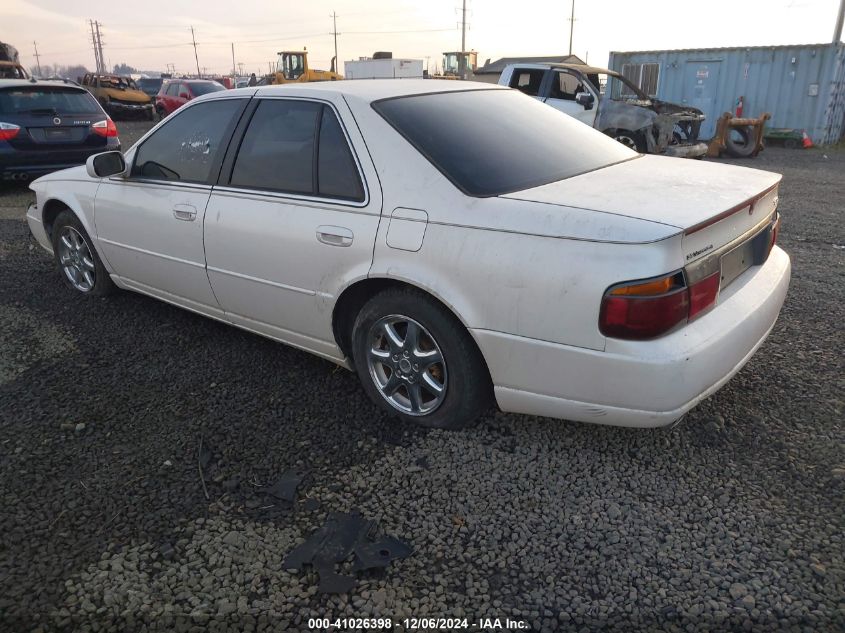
(609, 102)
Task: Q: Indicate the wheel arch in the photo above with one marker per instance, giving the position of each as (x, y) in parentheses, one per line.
(354, 296)
(51, 210)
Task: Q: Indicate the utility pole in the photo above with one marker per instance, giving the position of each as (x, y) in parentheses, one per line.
(462, 61)
(102, 68)
(37, 58)
(334, 32)
(837, 30)
(194, 39)
(571, 26)
(234, 66)
(96, 50)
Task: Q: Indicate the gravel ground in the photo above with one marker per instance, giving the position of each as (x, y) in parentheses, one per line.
(731, 521)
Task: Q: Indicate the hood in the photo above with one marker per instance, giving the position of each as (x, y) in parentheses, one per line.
(71, 173)
(666, 107)
(133, 96)
(671, 191)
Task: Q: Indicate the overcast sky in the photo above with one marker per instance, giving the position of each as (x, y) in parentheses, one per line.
(149, 34)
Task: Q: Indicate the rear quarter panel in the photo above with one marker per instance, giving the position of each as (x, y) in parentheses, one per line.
(528, 269)
(538, 287)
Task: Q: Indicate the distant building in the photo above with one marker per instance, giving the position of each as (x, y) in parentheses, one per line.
(803, 86)
(490, 72)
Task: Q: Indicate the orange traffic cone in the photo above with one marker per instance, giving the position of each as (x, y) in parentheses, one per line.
(807, 141)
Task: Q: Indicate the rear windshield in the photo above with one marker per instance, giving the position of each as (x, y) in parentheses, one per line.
(491, 142)
(204, 89)
(42, 100)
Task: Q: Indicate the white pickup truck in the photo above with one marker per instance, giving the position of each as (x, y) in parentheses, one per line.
(607, 101)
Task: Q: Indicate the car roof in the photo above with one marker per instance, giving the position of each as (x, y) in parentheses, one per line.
(369, 90)
(584, 68)
(28, 83)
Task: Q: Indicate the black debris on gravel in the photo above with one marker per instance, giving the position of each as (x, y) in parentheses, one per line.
(345, 535)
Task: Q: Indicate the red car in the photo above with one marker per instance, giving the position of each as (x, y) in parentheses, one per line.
(174, 93)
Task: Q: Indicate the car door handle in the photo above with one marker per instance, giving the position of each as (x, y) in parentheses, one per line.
(185, 212)
(334, 235)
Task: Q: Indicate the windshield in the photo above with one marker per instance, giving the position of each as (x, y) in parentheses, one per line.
(620, 89)
(53, 101)
(490, 142)
(204, 88)
(291, 65)
(121, 83)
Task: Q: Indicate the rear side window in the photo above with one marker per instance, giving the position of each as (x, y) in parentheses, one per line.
(297, 147)
(189, 144)
(47, 101)
(204, 88)
(337, 174)
(490, 142)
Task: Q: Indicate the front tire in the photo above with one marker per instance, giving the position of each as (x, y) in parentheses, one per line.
(418, 362)
(79, 265)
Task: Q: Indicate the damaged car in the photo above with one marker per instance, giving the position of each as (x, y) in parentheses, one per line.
(611, 103)
(381, 225)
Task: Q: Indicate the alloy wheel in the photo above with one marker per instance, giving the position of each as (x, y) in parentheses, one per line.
(76, 259)
(406, 365)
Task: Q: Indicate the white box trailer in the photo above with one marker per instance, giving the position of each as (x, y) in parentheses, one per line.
(390, 68)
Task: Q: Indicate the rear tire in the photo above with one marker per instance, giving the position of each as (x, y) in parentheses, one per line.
(79, 264)
(418, 362)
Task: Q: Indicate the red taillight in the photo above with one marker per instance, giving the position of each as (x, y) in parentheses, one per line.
(8, 131)
(105, 128)
(646, 309)
(702, 294)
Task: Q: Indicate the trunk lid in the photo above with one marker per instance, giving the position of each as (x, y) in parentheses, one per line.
(711, 203)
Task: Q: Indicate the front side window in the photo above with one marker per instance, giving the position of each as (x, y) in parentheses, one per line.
(297, 147)
(173, 89)
(527, 81)
(491, 142)
(187, 146)
(566, 85)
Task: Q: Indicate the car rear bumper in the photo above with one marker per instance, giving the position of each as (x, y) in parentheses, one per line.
(129, 107)
(640, 383)
(17, 165)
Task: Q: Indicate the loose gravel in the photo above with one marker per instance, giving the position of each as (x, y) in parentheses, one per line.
(731, 521)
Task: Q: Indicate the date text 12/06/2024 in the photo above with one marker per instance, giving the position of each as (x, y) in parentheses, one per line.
(415, 624)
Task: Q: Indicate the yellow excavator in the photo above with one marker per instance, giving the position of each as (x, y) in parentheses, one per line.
(292, 67)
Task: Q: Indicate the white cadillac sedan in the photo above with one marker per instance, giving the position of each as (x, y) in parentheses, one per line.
(449, 241)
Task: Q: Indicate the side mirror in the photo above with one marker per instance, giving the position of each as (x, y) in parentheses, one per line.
(184, 95)
(585, 99)
(105, 164)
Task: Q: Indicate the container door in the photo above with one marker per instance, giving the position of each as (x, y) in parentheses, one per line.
(700, 85)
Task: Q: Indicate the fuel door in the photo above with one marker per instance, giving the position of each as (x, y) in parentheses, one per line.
(406, 230)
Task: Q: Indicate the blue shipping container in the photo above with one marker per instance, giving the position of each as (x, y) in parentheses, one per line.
(802, 86)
